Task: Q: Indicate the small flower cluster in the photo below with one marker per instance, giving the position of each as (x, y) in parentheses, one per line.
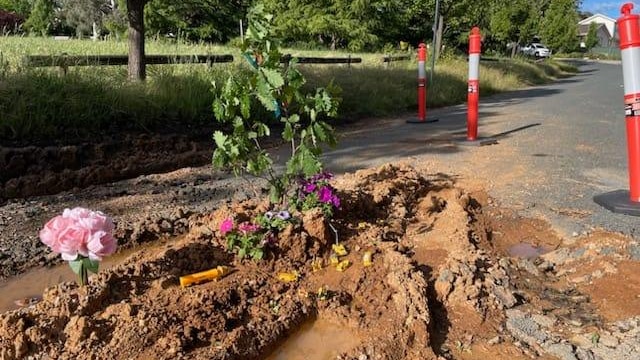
(252, 238)
(316, 192)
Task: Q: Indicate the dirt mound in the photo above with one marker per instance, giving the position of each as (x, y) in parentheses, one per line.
(138, 310)
(443, 285)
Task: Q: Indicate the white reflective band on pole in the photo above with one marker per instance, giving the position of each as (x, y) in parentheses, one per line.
(422, 72)
(631, 73)
(474, 66)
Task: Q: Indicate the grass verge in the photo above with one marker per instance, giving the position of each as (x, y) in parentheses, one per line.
(40, 106)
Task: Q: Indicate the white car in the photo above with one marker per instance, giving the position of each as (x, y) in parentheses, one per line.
(536, 49)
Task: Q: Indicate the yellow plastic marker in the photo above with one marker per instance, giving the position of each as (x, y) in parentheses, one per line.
(196, 278)
(288, 277)
(339, 249)
(343, 265)
(317, 264)
(367, 258)
(333, 259)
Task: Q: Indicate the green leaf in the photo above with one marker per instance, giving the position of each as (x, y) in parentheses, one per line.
(219, 139)
(273, 77)
(91, 265)
(76, 266)
(287, 134)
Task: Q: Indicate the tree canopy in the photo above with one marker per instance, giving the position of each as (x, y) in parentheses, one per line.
(332, 24)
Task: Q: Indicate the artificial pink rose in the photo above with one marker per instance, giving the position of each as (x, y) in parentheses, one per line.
(91, 220)
(101, 244)
(226, 226)
(50, 234)
(72, 242)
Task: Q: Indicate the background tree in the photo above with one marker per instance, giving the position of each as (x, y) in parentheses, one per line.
(196, 20)
(20, 7)
(558, 28)
(85, 16)
(41, 17)
(592, 37)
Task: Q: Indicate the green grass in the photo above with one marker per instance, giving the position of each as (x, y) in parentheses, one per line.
(40, 105)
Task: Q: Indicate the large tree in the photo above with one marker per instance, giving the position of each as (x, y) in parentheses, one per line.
(558, 28)
(196, 20)
(41, 17)
(513, 22)
(85, 15)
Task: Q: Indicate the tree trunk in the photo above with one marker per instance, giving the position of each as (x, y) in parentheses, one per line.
(135, 13)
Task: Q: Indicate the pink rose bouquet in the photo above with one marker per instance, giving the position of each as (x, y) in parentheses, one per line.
(82, 237)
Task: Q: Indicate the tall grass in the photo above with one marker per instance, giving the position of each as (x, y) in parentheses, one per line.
(39, 105)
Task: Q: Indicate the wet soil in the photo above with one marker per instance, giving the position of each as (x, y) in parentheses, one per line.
(444, 282)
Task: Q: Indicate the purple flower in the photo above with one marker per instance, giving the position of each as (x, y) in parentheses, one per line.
(268, 240)
(283, 215)
(269, 215)
(335, 200)
(246, 227)
(322, 176)
(325, 194)
(308, 188)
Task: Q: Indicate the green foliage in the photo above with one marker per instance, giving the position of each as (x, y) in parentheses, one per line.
(41, 17)
(277, 88)
(197, 20)
(592, 36)
(82, 14)
(516, 22)
(20, 7)
(558, 28)
(355, 25)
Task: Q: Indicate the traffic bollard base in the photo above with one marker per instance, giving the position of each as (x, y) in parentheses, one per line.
(618, 202)
(477, 142)
(425, 121)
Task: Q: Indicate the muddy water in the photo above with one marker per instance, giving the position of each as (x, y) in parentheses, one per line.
(527, 251)
(20, 290)
(316, 340)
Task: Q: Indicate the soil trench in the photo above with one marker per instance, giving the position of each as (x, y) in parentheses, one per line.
(445, 284)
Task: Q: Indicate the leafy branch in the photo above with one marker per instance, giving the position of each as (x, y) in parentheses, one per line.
(276, 83)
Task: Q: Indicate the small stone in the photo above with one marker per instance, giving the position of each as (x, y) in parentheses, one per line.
(495, 340)
(608, 340)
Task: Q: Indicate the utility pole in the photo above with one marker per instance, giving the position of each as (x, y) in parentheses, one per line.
(433, 46)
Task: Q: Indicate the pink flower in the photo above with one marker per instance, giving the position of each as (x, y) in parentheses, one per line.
(49, 235)
(101, 244)
(226, 226)
(80, 231)
(248, 227)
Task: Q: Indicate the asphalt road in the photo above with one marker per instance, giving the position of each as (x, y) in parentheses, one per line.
(559, 145)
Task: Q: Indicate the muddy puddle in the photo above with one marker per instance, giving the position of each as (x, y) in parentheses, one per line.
(27, 288)
(316, 340)
(527, 251)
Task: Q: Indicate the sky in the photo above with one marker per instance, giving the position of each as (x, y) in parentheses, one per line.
(609, 8)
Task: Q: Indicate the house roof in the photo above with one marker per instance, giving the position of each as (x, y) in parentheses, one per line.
(583, 29)
(600, 19)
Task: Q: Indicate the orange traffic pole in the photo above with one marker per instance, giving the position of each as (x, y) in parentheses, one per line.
(623, 201)
(422, 87)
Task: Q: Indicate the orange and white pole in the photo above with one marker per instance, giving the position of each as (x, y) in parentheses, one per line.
(422, 83)
(629, 30)
(473, 94)
(622, 201)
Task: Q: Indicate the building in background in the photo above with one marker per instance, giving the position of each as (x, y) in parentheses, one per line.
(605, 30)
